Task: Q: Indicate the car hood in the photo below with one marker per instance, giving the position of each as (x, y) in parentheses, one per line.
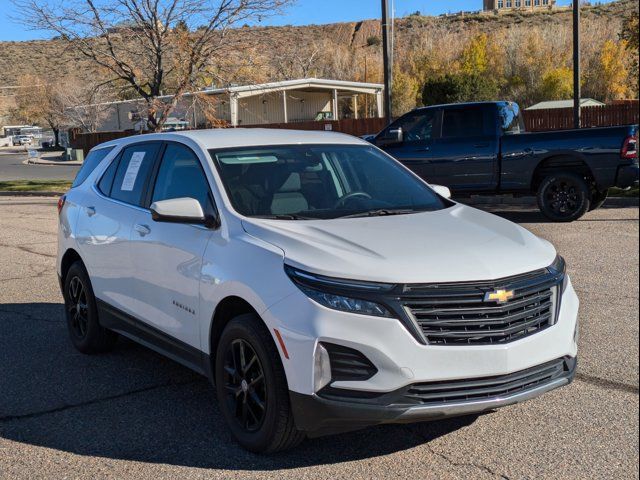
(455, 244)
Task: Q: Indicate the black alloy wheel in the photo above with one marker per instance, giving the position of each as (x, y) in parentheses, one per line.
(245, 385)
(564, 197)
(251, 387)
(81, 312)
(77, 308)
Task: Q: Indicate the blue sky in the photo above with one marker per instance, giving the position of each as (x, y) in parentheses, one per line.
(303, 13)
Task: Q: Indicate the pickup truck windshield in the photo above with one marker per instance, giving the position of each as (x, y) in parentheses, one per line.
(320, 182)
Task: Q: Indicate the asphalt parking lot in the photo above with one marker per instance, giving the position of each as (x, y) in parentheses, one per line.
(132, 413)
(12, 167)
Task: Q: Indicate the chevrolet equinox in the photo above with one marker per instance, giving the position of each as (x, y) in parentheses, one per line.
(318, 283)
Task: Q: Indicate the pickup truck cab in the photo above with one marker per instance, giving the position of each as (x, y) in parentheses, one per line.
(482, 149)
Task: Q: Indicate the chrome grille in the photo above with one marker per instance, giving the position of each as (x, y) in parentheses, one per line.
(457, 314)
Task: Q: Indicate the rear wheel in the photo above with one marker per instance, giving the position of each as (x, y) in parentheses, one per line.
(564, 196)
(252, 389)
(82, 314)
(598, 198)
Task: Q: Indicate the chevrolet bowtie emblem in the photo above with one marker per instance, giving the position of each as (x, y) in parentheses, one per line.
(499, 296)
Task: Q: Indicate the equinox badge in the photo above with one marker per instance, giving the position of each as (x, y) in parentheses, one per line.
(499, 296)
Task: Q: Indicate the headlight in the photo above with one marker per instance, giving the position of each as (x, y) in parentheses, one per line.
(558, 268)
(336, 293)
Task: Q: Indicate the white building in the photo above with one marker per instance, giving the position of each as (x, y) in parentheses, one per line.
(288, 101)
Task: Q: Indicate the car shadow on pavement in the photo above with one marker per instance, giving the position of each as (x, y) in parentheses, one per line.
(133, 404)
(521, 214)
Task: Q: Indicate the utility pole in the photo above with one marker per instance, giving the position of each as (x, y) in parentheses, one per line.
(576, 64)
(388, 75)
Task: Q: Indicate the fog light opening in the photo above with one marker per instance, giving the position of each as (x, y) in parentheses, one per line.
(321, 368)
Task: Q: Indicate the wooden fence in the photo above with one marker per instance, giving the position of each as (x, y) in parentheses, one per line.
(86, 141)
(535, 121)
(562, 118)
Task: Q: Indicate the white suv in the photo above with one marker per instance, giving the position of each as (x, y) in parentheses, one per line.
(318, 283)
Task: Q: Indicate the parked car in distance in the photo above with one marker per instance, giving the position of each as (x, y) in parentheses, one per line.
(482, 149)
(21, 140)
(319, 284)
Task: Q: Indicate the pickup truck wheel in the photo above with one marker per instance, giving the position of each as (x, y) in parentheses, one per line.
(81, 312)
(564, 197)
(252, 389)
(598, 198)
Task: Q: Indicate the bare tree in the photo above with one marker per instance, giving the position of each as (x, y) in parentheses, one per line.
(39, 102)
(86, 104)
(148, 45)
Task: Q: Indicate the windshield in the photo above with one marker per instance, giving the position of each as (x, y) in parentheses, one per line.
(320, 182)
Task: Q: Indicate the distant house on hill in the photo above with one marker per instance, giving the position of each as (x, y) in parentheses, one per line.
(502, 5)
(553, 104)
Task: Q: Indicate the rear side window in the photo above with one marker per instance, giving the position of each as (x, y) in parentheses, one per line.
(463, 122)
(107, 178)
(133, 172)
(89, 165)
(510, 118)
(181, 175)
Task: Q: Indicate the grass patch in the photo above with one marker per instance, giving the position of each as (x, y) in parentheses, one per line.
(617, 192)
(35, 186)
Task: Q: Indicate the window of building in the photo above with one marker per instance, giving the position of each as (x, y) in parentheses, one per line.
(509, 4)
(536, 3)
(527, 3)
(518, 3)
(545, 2)
(500, 4)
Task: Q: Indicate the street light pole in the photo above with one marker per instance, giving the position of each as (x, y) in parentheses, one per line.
(576, 64)
(388, 74)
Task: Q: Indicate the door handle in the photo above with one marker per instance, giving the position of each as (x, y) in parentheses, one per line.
(91, 211)
(142, 229)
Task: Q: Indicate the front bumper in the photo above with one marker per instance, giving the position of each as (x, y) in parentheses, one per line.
(322, 416)
(627, 176)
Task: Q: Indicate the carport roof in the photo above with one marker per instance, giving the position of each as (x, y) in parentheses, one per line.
(299, 84)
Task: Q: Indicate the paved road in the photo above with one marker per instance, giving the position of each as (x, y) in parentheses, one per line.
(132, 413)
(12, 168)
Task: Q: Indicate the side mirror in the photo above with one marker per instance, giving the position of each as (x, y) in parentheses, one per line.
(180, 210)
(442, 190)
(390, 137)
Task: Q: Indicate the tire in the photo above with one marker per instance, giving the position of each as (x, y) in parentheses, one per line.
(564, 197)
(81, 313)
(598, 198)
(261, 430)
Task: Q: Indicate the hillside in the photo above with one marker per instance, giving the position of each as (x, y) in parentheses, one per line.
(424, 46)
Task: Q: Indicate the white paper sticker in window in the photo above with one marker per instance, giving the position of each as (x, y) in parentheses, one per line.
(131, 174)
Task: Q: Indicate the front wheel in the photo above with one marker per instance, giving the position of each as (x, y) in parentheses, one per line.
(252, 389)
(564, 197)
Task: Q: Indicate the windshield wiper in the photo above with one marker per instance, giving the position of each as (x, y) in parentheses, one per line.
(381, 212)
(285, 216)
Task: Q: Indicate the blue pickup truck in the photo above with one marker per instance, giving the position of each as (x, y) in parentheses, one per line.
(482, 149)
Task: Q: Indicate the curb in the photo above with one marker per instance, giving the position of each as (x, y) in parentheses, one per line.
(55, 163)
